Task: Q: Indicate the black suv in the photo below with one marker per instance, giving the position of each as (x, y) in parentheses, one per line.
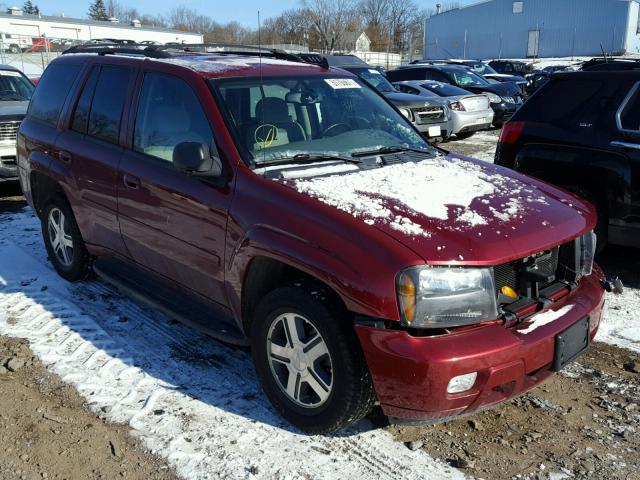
(582, 131)
(504, 97)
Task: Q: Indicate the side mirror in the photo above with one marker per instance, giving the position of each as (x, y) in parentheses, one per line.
(195, 158)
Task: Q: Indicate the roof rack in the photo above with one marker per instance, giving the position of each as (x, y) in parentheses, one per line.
(117, 48)
(168, 51)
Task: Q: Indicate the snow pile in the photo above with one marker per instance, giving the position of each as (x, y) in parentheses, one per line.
(221, 64)
(189, 398)
(428, 188)
(545, 318)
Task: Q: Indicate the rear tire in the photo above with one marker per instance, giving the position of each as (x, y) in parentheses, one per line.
(63, 241)
(309, 361)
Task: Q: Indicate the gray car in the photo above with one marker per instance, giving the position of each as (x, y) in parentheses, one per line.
(468, 112)
(15, 92)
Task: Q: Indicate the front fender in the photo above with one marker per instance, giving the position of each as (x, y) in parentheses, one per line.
(360, 291)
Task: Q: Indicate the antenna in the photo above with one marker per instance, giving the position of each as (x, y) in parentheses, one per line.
(264, 154)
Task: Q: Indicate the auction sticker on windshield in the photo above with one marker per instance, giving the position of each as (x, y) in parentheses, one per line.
(9, 73)
(338, 83)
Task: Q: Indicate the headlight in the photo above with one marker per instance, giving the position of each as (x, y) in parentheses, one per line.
(587, 252)
(493, 98)
(406, 112)
(509, 99)
(436, 297)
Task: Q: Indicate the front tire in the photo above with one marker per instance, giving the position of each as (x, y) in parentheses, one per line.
(63, 241)
(309, 361)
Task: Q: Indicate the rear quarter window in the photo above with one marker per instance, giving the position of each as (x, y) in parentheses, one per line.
(52, 91)
(567, 102)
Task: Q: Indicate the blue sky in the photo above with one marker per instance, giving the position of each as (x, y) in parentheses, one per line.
(243, 11)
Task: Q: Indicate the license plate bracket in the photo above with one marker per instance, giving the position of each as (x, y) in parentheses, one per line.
(571, 343)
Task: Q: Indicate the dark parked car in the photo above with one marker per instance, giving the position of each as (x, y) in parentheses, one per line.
(289, 207)
(511, 67)
(582, 131)
(430, 116)
(504, 97)
(15, 92)
(489, 73)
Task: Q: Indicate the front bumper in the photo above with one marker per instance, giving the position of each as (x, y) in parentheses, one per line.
(503, 112)
(411, 374)
(445, 128)
(8, 164)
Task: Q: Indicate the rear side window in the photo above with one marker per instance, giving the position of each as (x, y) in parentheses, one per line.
(108, 103)
(52, 91)
(81, 115)
(567, 102)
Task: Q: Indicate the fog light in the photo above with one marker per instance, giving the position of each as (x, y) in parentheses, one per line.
(462, 383)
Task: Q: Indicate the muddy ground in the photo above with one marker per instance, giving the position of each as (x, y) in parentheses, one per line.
(46, 431)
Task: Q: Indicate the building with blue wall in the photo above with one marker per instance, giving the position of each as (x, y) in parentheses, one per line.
(534, 28)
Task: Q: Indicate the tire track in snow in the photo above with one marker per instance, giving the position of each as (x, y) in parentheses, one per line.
(190, 399)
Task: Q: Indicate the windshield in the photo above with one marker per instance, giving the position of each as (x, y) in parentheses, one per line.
(483, 69)
(444, 89)
(464, 78)
(280, 117)
(14, 86)
(375, 78)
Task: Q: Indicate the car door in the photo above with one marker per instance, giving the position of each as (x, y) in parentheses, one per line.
(90, 146)
(172, 223)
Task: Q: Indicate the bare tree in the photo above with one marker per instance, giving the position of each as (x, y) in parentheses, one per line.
(330, 19)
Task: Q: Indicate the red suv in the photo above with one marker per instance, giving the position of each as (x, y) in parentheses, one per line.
(290, 207)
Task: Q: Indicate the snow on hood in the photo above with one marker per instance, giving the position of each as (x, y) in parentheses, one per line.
(428, 188)
(451, 209)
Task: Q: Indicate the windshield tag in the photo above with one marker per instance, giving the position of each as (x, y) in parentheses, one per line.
(374, 71)
(338, 83)
(9, 73)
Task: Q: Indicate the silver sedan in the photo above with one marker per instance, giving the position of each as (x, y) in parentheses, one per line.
(468, 112)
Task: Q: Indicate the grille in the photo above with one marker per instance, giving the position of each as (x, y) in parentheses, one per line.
(9, 131)
(428, 114)
(509, 273)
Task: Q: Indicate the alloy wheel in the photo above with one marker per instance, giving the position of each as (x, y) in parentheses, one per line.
(300, 360)
(60, 237)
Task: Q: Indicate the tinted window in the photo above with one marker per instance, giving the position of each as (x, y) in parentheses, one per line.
(108, 103)
(169, 113)
(81, 114)
(568, 102)
(52, 91)
(444, 89)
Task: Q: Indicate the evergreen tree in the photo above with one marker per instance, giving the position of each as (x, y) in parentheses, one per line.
(27, 7)
(36, 10)
(97, 10)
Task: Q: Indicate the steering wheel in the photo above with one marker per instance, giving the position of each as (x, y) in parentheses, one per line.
(336, 129)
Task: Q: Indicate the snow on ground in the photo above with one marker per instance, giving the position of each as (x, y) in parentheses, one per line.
(621, 322)
(189, 398)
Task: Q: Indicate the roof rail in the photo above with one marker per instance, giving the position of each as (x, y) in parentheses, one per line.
(117, 49)
(228, 48)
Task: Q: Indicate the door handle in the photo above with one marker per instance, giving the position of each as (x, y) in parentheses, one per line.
(65, 156)
(630, 146)
(131, 182)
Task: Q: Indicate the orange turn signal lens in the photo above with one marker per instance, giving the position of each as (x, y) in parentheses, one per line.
(509, 292)
(407, 297)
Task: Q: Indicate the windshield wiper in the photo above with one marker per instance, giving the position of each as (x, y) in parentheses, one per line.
(384, 150)
(307, 158)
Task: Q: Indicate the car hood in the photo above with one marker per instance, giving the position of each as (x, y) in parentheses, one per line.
(455, 210)
(400, 99)
(502, 89)
(13, 108)
(503, 77)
